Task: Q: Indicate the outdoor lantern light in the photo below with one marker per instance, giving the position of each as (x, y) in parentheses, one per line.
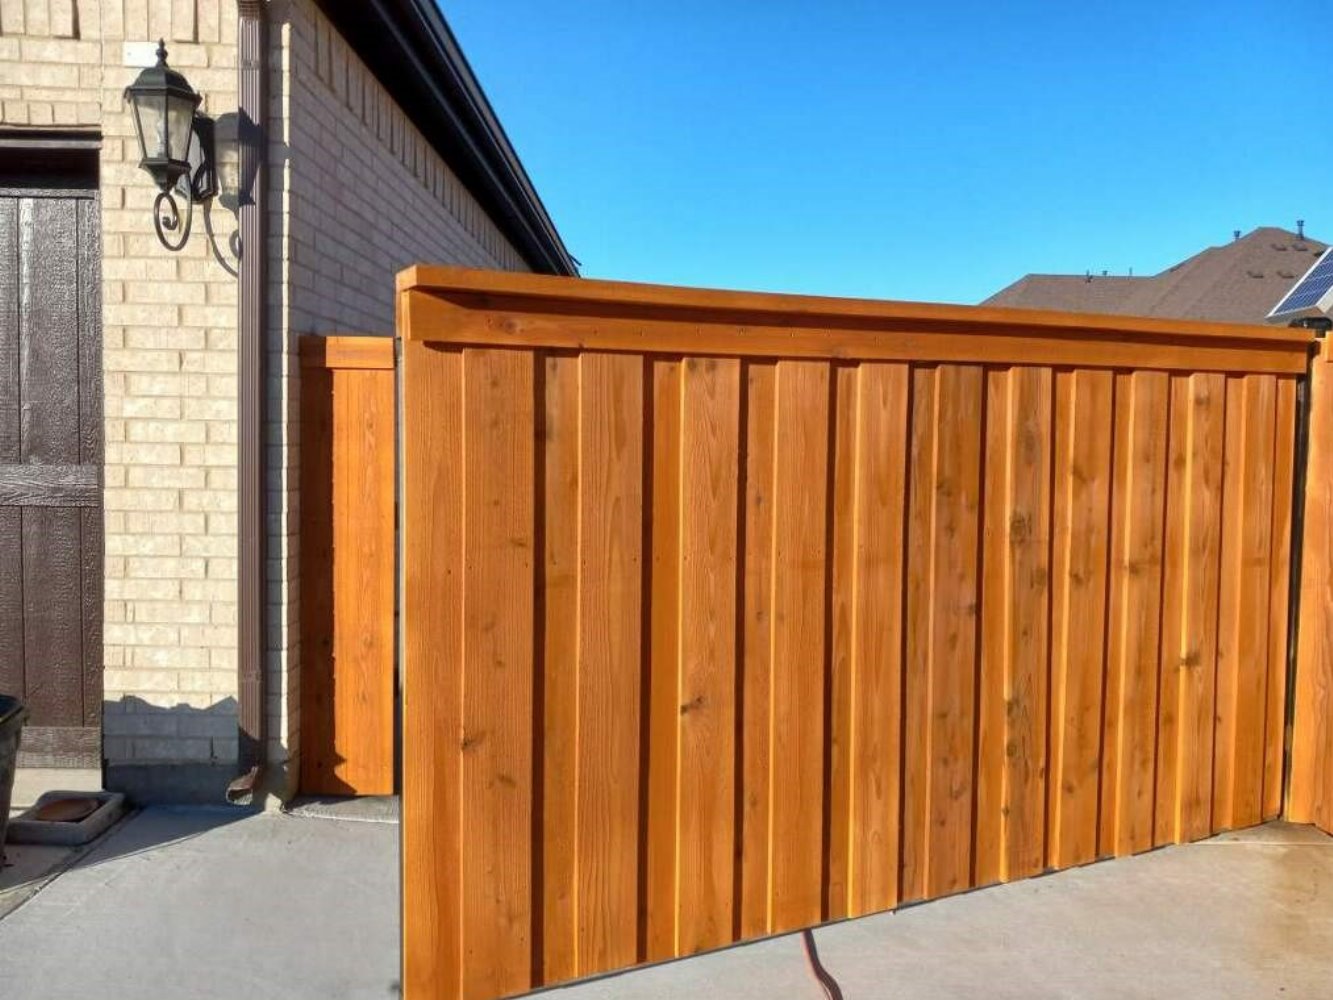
(175, 145)
(227, 160)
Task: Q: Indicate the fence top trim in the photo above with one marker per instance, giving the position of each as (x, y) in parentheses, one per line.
(345, 351)
(528, 292)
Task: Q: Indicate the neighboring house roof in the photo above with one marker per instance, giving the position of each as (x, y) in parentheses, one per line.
(1238, 282)
(410, 49)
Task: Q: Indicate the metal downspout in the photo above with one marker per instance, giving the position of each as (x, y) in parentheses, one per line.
(252, 67)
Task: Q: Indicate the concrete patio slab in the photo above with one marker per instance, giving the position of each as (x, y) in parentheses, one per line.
(201, 903)
(1245, 915)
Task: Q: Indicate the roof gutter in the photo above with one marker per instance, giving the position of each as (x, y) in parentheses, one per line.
(252, 63)
(408, 46)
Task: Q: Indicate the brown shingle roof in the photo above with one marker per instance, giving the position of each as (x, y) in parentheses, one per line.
(1238, 282)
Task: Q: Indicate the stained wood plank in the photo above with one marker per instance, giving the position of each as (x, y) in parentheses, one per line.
(844, 460)
(88, 222)
(756, 701)
(660, 909)
(496, 779)
(11, 599)
(796, 781)
(1011, 792)
(9, 331)
(61, 746)
(1243, 642)
(943, 604)
(610, 576)
(1190, 606)
(317, 584)
(558, 762)
(710, 407)
(92, 572)
(53, 616)
(1279, 590)
(1084, 423)
(29, 485)
(1138, 503)
(432, 671)
(1310, 799)
(49, 342)
(363, 571)
(877, 622)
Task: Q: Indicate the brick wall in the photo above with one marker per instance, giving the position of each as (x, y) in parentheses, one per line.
(357, 195)
(169, 329)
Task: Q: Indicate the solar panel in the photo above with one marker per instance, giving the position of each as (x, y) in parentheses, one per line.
(1312, 295)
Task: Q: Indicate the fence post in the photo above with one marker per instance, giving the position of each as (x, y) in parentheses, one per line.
(1310, 791)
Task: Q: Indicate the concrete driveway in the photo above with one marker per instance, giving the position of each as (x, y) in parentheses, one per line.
(195, 904)
(202, 903)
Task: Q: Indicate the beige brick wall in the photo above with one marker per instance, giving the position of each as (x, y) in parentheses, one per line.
(358, 195)
(169, 336)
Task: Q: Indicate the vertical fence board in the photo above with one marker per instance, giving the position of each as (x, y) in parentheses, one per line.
(796, 781)
(664, 663)
(757, 650)
(433, 671)
(1243, 633)
(559, 664)
(1279, 589)
(1011, 800)
(1142, 427)
(1080, 559)
(610, 576)
(842, 594)
(876, 688)
(705, 806)
(1189, 617)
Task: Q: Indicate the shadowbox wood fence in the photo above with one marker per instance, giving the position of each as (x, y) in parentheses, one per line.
(727, 614)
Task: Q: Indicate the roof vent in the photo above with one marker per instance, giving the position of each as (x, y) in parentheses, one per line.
(1235, 234)
(1300, 229)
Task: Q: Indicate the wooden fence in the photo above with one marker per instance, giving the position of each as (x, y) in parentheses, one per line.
(727, 614)
(346, 682)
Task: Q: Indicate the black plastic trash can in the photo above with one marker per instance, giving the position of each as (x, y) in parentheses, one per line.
(12, 714)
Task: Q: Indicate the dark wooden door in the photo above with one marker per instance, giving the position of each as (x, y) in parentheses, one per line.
(51, 464)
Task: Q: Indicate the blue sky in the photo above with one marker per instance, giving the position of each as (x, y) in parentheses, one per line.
(912, 151)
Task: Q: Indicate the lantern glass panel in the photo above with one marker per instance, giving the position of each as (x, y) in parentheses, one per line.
(152, 127)
(180, 118)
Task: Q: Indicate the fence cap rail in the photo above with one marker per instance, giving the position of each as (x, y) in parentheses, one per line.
(505, 290)
(345, 351)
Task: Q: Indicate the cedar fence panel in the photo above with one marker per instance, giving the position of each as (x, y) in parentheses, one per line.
(346, 683)
(729, 614)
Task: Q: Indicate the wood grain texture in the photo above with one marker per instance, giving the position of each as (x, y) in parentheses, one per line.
(1137, 524)
(432, 671)
(1190, 607)
(797, 689)
(497, 638)
(756, 687)
(559, 440)
(1011, 783)
(705, 801)
(1310, 798)
(347, 567)
(610, 575)
(1243, 647)
(811, 636)
(664, 638)
(1084, 426)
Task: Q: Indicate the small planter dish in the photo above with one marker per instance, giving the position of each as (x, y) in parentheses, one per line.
(66, 819)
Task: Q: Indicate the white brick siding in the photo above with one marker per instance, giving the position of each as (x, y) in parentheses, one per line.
(169, 363)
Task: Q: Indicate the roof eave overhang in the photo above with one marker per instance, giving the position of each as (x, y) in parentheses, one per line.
(410, 49)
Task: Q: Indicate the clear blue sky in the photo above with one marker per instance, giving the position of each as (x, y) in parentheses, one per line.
(930, 151)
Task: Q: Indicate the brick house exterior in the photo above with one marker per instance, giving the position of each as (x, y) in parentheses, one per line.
(356, 188)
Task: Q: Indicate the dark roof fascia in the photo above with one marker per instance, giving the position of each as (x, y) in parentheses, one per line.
(413, 53)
